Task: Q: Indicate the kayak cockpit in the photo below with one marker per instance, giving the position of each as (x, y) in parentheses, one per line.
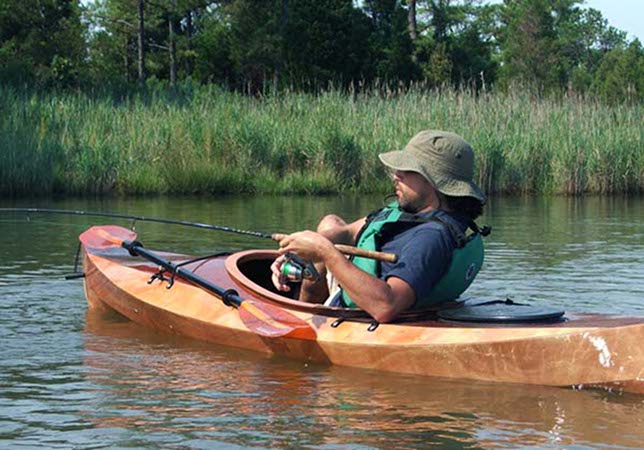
(251, 270)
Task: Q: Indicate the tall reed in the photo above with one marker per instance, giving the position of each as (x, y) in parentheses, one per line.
(212, 141)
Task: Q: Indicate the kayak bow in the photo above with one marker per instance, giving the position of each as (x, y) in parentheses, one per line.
(263, 319)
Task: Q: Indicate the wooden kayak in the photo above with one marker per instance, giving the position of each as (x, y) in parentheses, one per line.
(580, 350)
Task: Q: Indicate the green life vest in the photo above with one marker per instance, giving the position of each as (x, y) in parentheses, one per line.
(467, 258)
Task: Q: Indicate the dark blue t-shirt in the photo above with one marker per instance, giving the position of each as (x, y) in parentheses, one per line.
(424, 253)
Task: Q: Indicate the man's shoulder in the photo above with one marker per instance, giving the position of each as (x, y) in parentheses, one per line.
(441, 220)
(428, 241)
(442, 230)
(424, 234)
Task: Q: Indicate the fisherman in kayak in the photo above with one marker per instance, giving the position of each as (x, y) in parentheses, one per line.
(430, 227)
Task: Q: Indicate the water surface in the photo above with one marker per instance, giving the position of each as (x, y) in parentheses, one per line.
(69, 378)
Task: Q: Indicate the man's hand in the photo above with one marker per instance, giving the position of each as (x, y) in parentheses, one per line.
(276, 276)
(308, 245)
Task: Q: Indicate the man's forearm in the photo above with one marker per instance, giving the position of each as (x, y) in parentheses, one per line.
(370, 293)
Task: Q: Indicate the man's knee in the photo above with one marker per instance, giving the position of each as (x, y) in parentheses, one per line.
(331, 225)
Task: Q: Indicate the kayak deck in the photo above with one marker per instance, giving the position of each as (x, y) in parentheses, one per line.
(584, 350)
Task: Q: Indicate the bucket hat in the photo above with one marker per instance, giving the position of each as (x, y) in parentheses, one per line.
(445, 159)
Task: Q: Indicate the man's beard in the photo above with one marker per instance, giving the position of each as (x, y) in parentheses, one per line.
(408, 206)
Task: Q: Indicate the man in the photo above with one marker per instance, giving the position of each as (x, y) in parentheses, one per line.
(437, 202)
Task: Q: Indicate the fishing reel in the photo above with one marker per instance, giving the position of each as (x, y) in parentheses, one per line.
(295, 269)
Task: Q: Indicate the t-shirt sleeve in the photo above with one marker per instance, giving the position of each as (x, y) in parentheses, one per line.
(423, 260)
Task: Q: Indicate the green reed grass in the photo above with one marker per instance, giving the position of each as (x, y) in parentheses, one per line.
(211, 141)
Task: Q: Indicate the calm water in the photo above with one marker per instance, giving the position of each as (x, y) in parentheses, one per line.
(69, 379)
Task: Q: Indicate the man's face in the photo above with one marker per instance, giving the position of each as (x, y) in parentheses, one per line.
(414, 192)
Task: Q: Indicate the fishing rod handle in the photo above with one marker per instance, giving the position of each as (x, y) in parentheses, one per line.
(354, 251)
(378, 256)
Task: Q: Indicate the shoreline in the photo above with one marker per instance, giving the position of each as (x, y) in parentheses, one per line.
(217, 142)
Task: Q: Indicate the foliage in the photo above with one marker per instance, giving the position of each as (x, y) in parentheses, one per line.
(620, 74)
(256, 46)
(194, 139)
(41, 41)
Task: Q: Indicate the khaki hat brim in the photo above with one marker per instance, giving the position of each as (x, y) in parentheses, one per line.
(402, 160)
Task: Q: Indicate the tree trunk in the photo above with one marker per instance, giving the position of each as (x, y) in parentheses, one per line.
(411, 20)
(126, 59)
(439, 19)
(141, 59)
(283, 44)
(284, 18)
(372, 10)
(172, 47)
(189, 32)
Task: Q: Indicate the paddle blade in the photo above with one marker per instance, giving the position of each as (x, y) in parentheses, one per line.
(272, 321)
(106, 236)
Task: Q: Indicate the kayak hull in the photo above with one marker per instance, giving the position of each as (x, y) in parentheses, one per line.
(582, 351)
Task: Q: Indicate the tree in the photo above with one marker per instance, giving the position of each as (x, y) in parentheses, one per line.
(210, 48)
(390, 43)
(250, 45)
(113, 43)
(620, 76)
(554, 44)
(255, 42)
(412, 23)
(172, 28)
(327, 41)
(529, 42)
(41, 41)
(140, 8)
(584, 38)
(454, 46)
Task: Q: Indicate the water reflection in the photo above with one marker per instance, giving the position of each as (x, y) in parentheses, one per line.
(163, 386)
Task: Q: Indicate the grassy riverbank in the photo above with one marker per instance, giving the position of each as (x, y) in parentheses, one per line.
(210, 141)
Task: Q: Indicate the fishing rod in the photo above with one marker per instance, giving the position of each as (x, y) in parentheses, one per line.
(136, 218)
(346, 249)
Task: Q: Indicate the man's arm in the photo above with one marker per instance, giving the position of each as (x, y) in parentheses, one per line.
(336, 230)
(383, 300)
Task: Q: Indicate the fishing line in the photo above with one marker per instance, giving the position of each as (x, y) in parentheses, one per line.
(138, 218)
(346, 249)
(46, 222)
(133, 218)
